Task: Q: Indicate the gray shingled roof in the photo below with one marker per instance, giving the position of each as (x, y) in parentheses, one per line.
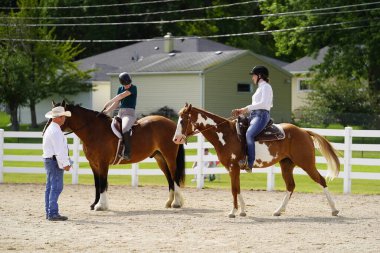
(304, 64)
(108, 62)
(181, 62)
(122, 56)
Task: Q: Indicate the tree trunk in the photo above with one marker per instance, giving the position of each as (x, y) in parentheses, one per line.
(33, 117)
(374, 76)
(14, 118)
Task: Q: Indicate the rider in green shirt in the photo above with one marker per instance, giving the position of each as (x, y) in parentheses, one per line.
(126, 99)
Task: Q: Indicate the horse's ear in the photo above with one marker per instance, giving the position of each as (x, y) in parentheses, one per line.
(53, 103)
(63, 103)
(189, 107)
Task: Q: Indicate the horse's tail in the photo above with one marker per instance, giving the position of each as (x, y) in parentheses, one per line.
(180, 170)
(328, 151)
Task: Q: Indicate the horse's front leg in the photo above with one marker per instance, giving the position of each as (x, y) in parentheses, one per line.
(97, 190)
(101, 184)
(235, 188)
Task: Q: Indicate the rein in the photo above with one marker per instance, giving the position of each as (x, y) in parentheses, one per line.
(86, 124)
(208, 128)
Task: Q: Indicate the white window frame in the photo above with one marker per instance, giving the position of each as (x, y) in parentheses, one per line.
(299, 80)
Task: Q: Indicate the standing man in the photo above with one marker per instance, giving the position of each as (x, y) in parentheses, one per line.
(56, 160)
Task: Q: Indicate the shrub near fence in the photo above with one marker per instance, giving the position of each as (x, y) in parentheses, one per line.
(347, 161)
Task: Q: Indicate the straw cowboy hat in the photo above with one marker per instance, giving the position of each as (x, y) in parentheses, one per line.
(57, 112)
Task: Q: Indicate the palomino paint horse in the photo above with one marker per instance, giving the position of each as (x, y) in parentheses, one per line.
(149, 139)
(296, 149)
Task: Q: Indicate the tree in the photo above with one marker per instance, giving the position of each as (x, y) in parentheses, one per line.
(48, 65)
(259, 44)
(351, 34)
(341, 102)
(13, 79)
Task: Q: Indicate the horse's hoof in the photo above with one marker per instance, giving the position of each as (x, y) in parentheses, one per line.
(277, 214)
(100, 208)
(176, 206)
(231, 215)
(92, 207)
(335, 213)
(243, 214)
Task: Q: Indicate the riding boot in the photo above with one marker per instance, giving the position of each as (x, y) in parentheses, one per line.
(127, 145)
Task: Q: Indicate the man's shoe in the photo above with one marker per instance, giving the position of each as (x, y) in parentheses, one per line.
(58, 218)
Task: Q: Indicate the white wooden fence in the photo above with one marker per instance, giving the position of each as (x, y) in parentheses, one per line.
(347, 161)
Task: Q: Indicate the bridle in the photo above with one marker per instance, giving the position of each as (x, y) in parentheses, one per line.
(189, 122)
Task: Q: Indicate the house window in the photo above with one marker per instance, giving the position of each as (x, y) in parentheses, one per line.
(304, 85)
(244, 87)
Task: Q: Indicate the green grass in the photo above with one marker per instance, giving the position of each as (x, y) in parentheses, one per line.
(248, 182)
(5, 119)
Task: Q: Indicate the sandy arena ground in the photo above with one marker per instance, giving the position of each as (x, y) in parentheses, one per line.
(138, 222)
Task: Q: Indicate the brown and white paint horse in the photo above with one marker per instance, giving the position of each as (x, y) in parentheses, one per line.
(149, 139)
(297, 149)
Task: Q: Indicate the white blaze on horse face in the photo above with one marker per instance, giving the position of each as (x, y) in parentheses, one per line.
(262, 154)
(205, 121)
(179, 138)
(233, 156)
(220, 136)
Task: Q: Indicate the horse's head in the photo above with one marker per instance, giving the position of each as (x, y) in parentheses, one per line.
(184, 126)
(67, 107)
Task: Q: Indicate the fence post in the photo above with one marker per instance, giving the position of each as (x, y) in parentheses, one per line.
(200, 178)
(270, 178)
(135, 175)
(76, 151)
(1, 155)
(347, 159)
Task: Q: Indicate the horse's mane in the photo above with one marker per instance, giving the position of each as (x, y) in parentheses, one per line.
(97, 114)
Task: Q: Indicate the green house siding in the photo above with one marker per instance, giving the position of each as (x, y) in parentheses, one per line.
(164, 89)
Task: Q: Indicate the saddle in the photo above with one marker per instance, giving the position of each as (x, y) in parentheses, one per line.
(116, 126)
(271, 132)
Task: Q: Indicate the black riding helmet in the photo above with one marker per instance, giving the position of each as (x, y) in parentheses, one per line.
(260, 70)
(125, 79)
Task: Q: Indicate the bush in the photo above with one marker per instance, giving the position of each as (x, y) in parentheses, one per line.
(164, 111)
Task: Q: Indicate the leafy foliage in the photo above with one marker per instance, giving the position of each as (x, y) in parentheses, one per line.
(45, 68)
(351, 35)
(166, 112)
(336, 101)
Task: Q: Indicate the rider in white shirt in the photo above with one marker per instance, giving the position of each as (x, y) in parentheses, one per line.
(262, 102)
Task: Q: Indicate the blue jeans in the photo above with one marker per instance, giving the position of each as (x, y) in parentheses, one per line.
(54, 186)
(258, 120)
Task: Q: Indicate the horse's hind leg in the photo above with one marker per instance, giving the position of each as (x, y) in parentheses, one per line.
(314, 174)
(175, 199)
(287, 167)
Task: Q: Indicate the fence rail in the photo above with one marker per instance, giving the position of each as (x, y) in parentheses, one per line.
(347, 161)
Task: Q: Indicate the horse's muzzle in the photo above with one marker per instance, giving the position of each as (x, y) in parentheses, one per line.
(179, 139)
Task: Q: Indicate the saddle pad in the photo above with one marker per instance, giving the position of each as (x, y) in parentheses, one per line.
(273, 132)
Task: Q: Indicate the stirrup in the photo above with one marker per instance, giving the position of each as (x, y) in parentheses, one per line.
(243, 164)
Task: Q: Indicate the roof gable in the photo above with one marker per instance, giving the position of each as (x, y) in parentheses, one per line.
(305, 63)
